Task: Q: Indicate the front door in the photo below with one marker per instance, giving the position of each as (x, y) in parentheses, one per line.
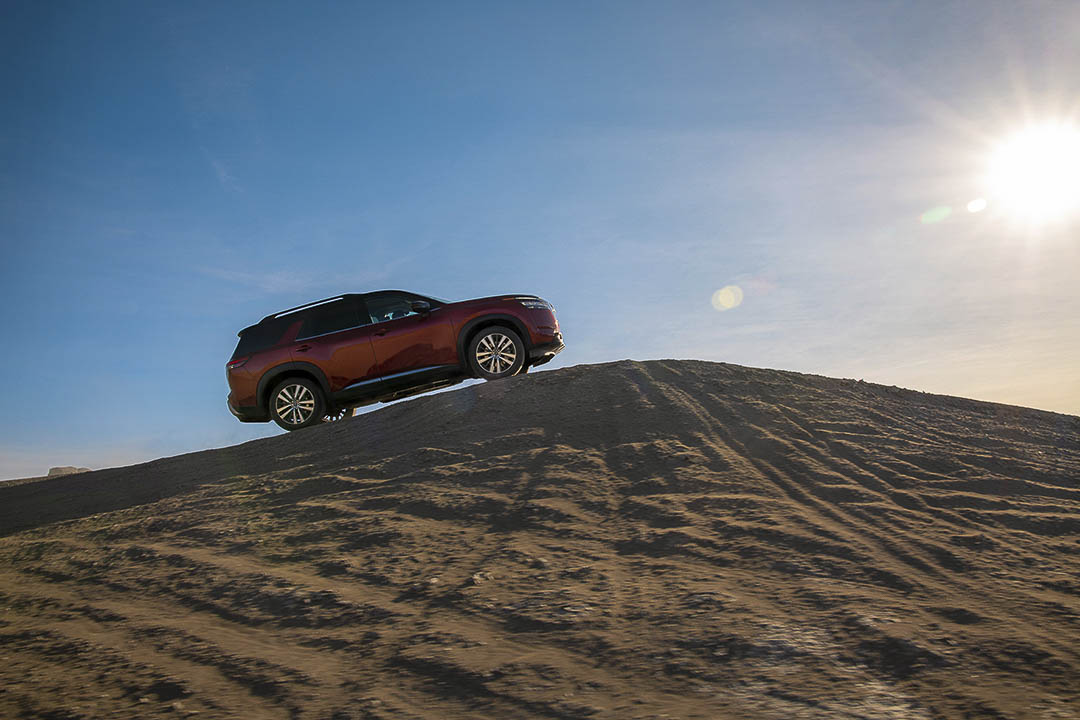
(406, 341)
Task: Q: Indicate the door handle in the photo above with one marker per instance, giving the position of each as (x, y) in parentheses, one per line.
(379, 333)
(303, 348)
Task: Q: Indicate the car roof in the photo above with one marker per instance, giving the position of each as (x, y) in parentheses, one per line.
(332, 298)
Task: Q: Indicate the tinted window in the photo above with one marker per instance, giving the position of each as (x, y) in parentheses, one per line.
(259, 337)
(388, 307)
(338, 315)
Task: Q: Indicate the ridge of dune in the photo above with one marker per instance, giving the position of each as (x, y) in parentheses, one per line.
(677, 539)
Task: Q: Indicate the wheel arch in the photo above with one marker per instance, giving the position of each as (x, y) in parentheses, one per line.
(286, 370)
(471, 328)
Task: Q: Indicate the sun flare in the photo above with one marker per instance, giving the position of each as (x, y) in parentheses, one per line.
(1034, 174)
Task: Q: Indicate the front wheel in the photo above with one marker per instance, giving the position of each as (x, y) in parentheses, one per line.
(297, 403)
(495, 353)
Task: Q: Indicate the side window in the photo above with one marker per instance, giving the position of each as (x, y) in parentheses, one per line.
(332, 317)
(259, 337)
(388, 307)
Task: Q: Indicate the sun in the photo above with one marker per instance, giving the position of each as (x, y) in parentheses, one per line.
(1034, 174)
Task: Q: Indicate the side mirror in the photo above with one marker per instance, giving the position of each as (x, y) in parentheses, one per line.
(420, 306)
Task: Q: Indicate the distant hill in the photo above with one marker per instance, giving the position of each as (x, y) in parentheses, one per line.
(669, 539)
(66, 470)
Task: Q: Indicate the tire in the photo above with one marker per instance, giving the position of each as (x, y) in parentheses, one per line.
(337, 415)
(496, 352)
(297, 402)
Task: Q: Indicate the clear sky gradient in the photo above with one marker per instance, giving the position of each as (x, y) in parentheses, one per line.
(172, 172)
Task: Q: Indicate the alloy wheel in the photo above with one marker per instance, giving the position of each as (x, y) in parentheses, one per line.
(496, 353)
(337, 415)
(294, 404)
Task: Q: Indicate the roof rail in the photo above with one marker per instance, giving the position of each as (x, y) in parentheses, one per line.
(305, 306)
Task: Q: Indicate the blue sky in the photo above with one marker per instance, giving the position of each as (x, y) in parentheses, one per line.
(172, 172)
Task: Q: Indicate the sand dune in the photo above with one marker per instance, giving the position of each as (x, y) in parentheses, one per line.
(672, 539)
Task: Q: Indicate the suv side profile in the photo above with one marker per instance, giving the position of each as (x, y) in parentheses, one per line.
(319, 361)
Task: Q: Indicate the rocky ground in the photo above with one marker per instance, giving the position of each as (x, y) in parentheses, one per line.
(671, 539)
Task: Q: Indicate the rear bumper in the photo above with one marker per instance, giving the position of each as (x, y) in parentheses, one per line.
(247, 414)
(540, 354)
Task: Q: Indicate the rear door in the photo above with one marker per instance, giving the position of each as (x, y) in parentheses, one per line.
(336, 337)
(407, 341)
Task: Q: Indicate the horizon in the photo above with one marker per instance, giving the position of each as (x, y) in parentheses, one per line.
(474, 383)
(877, 192)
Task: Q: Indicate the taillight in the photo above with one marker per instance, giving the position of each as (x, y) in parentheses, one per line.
(239, 362)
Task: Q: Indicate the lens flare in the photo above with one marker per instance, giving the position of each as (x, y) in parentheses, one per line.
(1034, 175)
(976, 205)
(935, 215)
(727, 297)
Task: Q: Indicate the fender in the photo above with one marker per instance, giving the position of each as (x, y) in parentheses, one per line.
(270, 378)
(491, 319)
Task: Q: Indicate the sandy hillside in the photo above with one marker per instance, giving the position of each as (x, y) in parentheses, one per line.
(629, 540)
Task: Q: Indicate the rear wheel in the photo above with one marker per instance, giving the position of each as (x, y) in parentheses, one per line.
(297, 403)
(496, 352)
(337, 414)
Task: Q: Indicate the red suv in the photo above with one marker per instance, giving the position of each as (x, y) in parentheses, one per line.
(317, 362)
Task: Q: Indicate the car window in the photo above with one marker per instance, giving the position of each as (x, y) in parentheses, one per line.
(388, 307)
(332, 317)
(259, 337)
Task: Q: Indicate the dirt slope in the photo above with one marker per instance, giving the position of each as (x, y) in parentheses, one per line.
(631, 540)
